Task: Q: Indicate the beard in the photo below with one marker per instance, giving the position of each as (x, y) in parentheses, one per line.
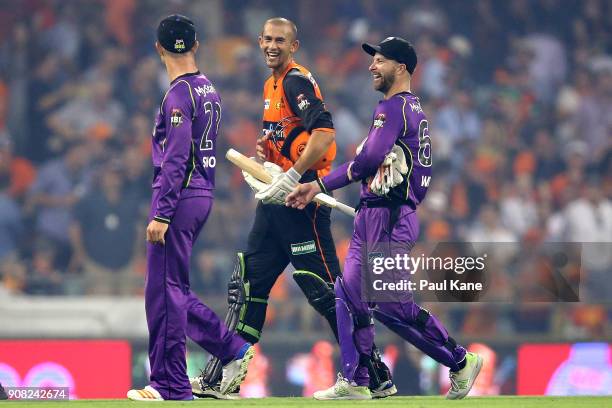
(386, 83)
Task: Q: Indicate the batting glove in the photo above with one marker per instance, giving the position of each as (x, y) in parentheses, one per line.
(272, 169)
(281, 186)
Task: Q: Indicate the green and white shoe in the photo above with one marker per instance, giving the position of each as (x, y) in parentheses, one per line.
(344, 390)
(463, 380)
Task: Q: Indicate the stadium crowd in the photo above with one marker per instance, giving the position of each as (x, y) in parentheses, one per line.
(518, 96)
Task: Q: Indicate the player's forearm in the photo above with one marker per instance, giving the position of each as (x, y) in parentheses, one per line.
(318, 144)
(338, 178)
(172, 178)
(173, 173)
(365, 164)
(369, 159)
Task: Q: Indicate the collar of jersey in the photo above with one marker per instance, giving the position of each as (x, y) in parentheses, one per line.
(291, 65)
(185, 75)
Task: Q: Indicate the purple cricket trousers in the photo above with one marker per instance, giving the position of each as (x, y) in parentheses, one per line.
(173, 310)
(354, 315)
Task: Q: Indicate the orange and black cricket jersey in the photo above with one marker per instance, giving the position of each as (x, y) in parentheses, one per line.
(293, 108)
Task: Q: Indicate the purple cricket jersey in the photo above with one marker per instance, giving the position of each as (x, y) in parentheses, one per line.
(184, 142)
(400, 121)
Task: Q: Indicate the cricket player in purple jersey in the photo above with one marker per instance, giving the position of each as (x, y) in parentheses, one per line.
(394, 167)
(184, 142)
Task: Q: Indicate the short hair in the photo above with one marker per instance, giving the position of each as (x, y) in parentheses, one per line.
(283, 21)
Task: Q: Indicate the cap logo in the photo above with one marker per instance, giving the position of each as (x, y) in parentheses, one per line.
(179, 45)
(387, 39)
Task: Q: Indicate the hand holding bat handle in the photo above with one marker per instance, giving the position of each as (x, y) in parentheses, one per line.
(259, 172)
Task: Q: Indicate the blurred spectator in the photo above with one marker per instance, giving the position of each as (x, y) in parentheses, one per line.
(59, 185)
(48, 89)
(588, 220)
(595, 114)
(17, 172)
(136, 175)
(11, 224)
(548, 164)
(459, 124)
(12, 275)
(433, 70)
(43, 277)
(459, 121)
(518, 208)
(488, 228)
(95, 115)
(104, 235)
(548, 67)
(63, 36)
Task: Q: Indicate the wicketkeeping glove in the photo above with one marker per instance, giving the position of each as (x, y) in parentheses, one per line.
(280, 187)
(390, 173)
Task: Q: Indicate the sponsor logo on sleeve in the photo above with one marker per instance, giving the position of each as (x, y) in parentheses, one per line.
(176, 118)
(379, 120)
(312, 80)
(302, 102)
(303, 248)
(179, 45)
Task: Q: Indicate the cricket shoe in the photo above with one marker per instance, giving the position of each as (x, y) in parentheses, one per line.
(463, 380)
(235, 371)
(201, 389)
(344, 390)
(148, 394)
(384, 390)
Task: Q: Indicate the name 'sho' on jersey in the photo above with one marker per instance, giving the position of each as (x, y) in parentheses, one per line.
(184, 141)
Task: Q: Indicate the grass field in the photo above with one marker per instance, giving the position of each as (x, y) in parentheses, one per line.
(404, 402)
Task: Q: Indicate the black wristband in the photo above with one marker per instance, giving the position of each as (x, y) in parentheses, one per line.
(161, 219)
(321, 185)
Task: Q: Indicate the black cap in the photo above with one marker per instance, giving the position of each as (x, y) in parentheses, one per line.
(176, 34)
(395, 48)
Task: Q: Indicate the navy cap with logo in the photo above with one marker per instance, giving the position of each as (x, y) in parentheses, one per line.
(395, 48)
(176, 33)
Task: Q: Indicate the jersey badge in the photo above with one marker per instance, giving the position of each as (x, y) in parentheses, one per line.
(302, 102)
(379, 120)
(176, 118)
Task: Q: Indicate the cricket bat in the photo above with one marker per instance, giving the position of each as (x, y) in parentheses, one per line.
(258, 171)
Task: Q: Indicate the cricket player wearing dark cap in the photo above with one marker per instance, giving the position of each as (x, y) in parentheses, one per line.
(393, 164)
(183, 152)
